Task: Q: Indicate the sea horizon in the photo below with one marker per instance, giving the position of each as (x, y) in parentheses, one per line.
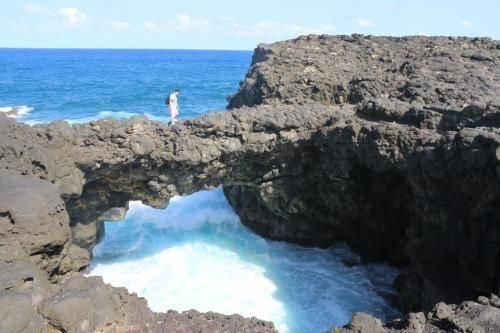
(124, 49)
(80, 85)
(250, 167)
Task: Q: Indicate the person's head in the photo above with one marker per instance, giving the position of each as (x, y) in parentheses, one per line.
(177, 91)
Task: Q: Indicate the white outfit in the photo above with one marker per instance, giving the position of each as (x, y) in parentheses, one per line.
(173, 106)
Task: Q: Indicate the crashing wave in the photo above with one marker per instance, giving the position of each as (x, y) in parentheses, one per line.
(16, 111)
(102, 115)
(197, 254)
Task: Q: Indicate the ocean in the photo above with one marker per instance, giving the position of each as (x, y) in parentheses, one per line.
(82, 85)
(196, 253)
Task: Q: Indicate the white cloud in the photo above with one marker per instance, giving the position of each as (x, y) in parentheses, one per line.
(365, 23)
(118, 24)
(184, 22)
(466, 23)
(55, 20)
(284, 29)
(151, 26)
(58, 19)
(229, 26)
(73, 15)
(181, 23)
(280, 30)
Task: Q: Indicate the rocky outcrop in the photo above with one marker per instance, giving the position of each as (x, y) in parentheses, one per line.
(41, 289)
(30, 303)
(428, 82)
(411, 177)
(34, 222)
(97, 168)
(100, 167)
(390, 144)
(480, 316)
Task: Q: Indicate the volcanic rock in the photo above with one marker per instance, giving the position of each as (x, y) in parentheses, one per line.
(389, 144)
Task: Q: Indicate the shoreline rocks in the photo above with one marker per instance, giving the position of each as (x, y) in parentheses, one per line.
(390, 144)
(467, 317)
(418, 184)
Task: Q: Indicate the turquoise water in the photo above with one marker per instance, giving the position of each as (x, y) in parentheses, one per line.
(196, 253)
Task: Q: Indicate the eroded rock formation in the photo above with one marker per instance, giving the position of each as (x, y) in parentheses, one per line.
(98, 168)
(388, 143)
(412, 177)
(41, 289)
(480, 316)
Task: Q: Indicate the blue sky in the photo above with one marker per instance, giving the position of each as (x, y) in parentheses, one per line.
(224, 24)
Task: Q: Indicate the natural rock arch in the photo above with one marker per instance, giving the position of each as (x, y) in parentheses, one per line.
(396, 152)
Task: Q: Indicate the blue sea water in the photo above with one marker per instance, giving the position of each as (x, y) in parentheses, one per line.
(81, 85)
(196, 253)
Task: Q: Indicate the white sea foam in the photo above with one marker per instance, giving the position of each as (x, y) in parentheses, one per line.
(185, 213)
(102, 115)
(20, 111)
(98, 116)
(193, 274)
(32, 122)
(16, 111)
(196, 254)
(198, 276)
(116, 115)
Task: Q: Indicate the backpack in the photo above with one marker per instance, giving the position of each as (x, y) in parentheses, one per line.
(167, 100)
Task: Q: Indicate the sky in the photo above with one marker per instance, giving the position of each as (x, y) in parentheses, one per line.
(231, 24)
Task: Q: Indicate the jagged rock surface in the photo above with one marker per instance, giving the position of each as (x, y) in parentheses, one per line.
(388, 143)
(432, 82)
(30, 303)
(418, 184)
(97, 168)
(480, 316)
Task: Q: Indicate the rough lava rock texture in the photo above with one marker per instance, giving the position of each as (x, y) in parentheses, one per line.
(57, 186)
(390, 144)
(480, 316)
(411, 177)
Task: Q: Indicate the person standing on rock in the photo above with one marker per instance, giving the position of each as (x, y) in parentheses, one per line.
(173, 105)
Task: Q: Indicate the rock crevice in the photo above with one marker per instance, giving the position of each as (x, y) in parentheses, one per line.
(411, 177)
(390, 144)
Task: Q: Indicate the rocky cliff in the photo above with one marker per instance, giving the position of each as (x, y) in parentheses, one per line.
(390, 144)
(51, 216)
(411, 177)
(480, 316)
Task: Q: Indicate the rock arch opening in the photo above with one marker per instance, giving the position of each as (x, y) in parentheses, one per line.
(197, 254)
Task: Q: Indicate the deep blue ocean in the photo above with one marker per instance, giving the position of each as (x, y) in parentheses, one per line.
(81, 85)
(196, 253)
